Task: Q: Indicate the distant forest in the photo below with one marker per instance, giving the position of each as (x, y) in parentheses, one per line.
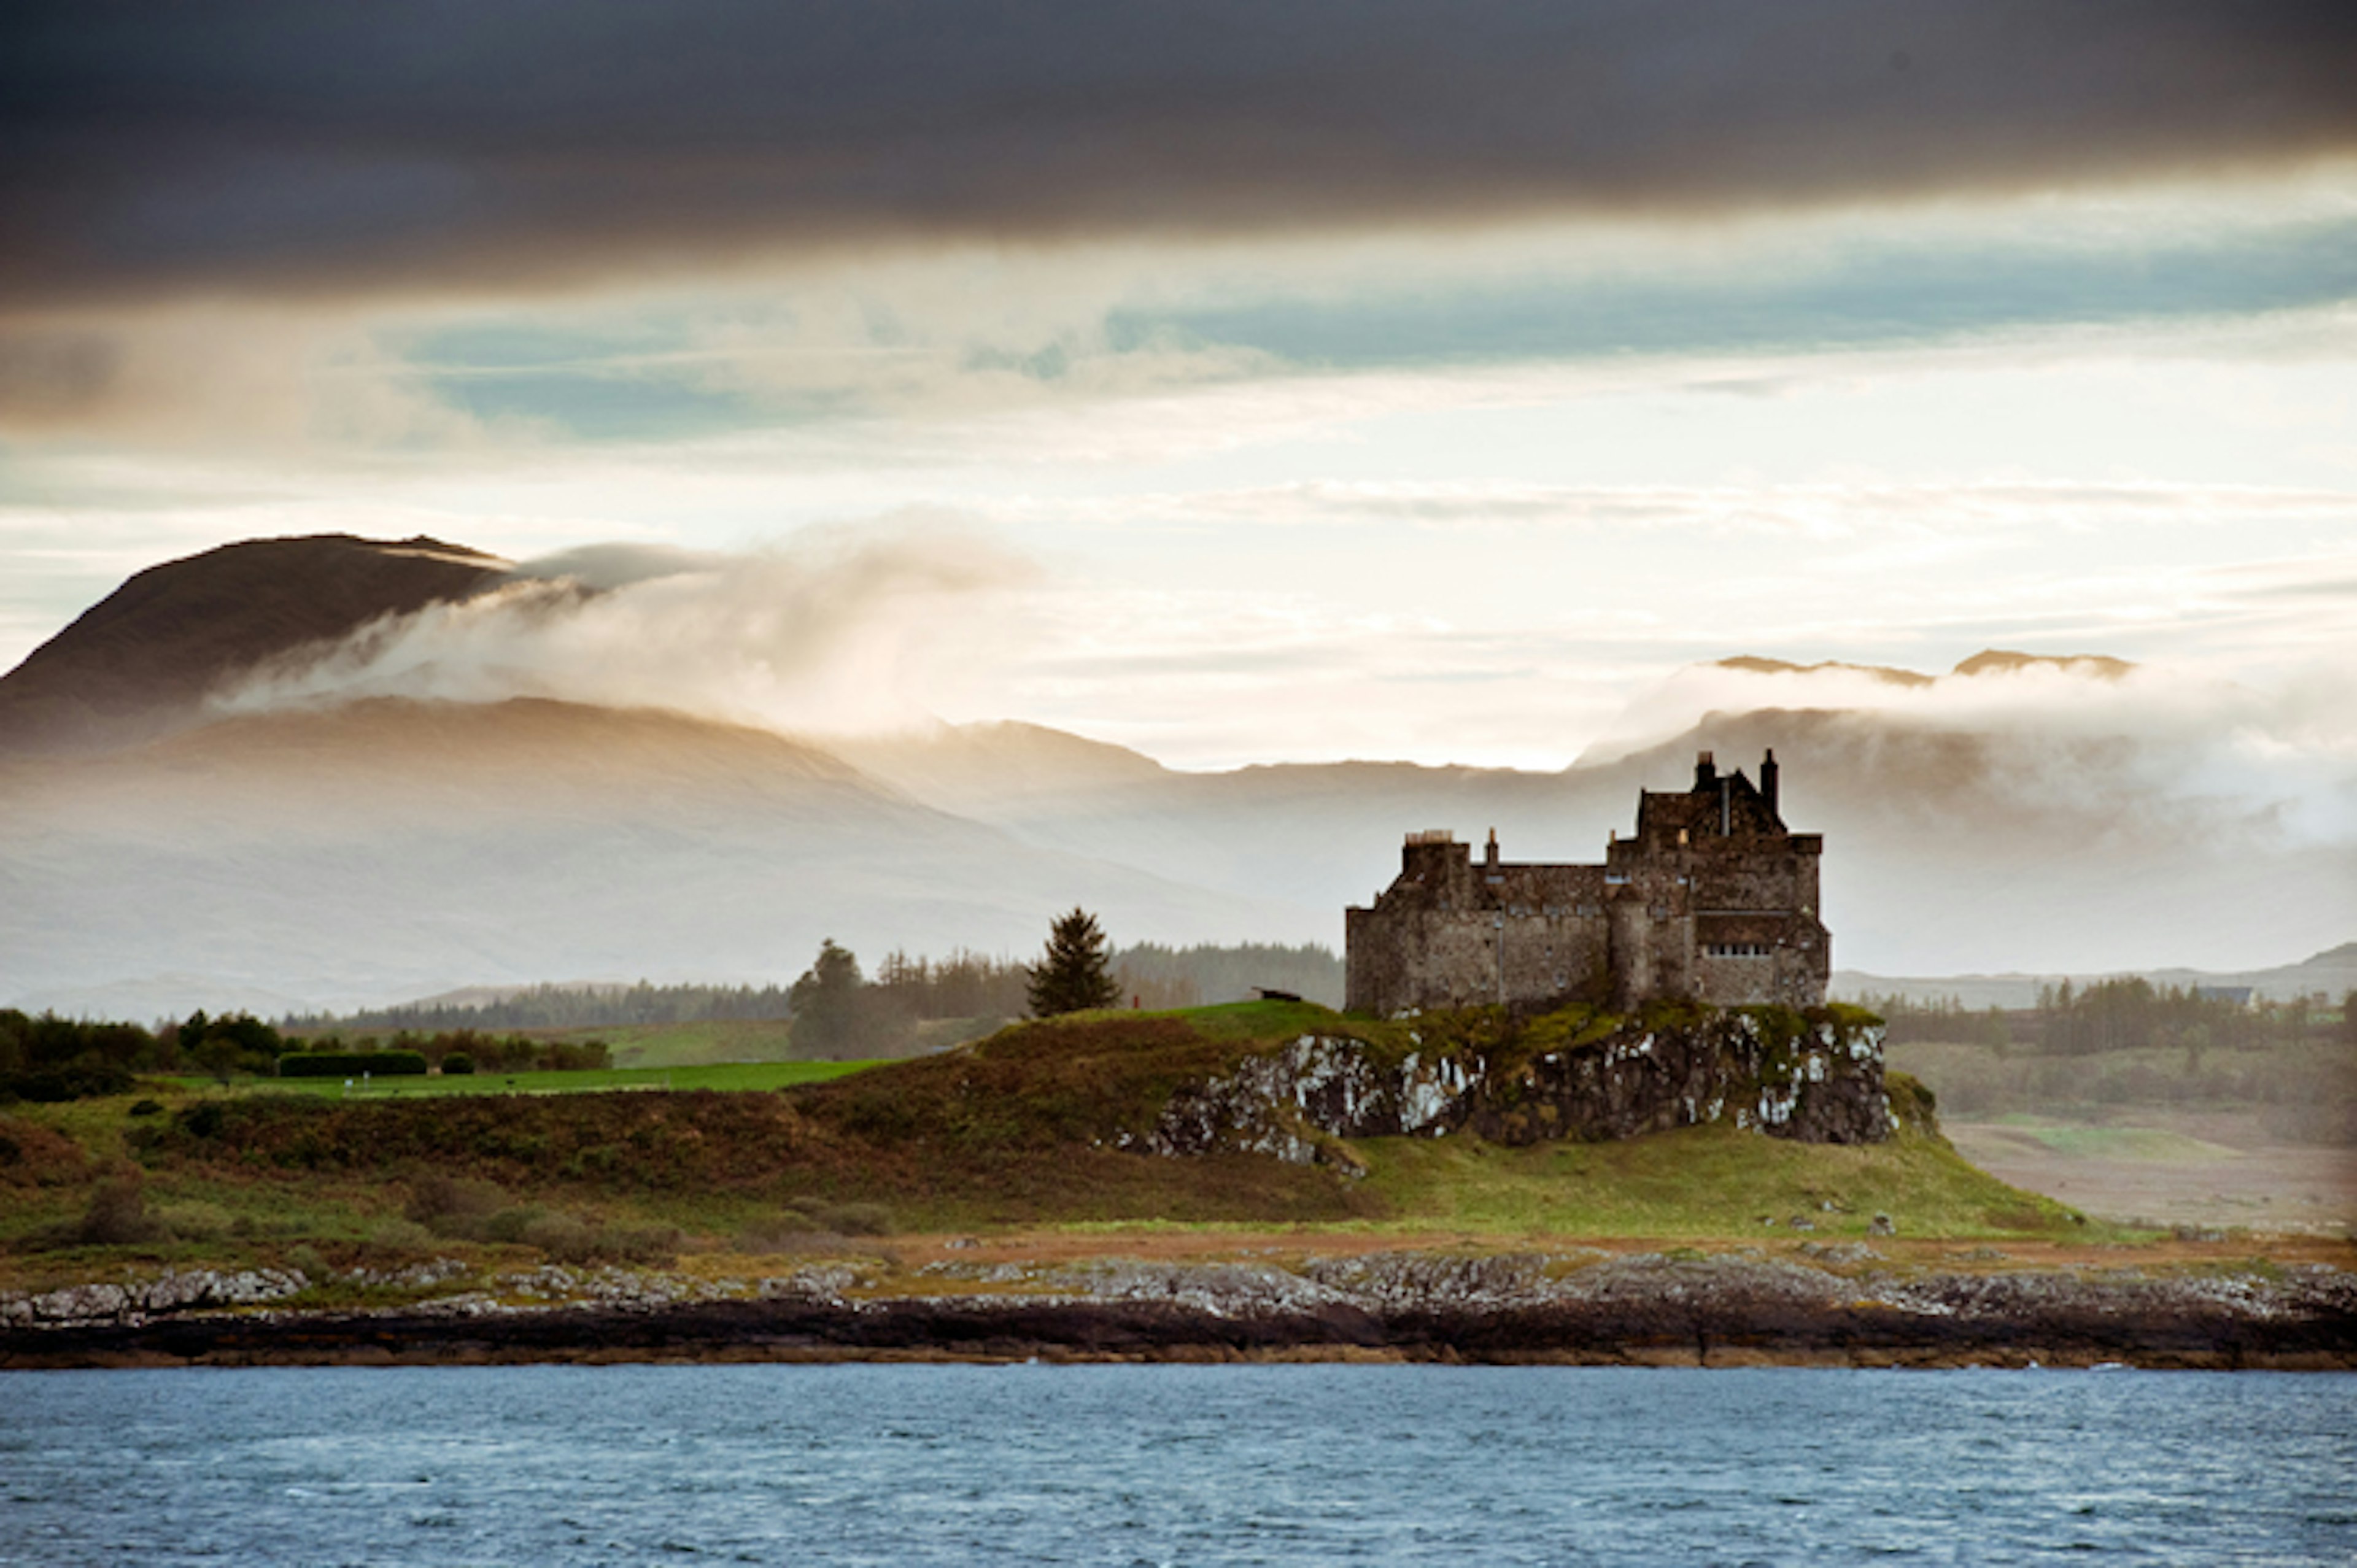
(913, 988)
(2125, 1015)
(2128, 1042)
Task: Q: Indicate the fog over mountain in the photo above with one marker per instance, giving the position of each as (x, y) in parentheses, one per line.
(448, 770)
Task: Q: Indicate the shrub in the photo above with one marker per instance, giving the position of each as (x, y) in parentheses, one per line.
(446, 1204)
(84, 1078)
(511, 1225)
(117, 1216)
(148, 1108)
(571, 1239)
(458, 1062)
(856, 1218)
(808, 1222)
(401, 1236)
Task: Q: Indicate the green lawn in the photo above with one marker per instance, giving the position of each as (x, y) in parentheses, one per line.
(1700, 1182)
(703, 1043)
(717, 1075)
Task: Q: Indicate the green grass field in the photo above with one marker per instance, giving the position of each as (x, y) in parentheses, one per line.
(719, 1041)
(706, 1044)
(1701, 1182)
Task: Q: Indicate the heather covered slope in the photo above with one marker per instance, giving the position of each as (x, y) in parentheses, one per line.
(140, 663)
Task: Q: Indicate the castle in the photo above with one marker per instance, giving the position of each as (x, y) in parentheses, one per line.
(1713, 900)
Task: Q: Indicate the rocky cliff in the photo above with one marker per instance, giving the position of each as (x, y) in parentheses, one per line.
(1815, 1077)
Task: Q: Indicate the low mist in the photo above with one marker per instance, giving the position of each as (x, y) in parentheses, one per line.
(2277, 761)
(831, 632)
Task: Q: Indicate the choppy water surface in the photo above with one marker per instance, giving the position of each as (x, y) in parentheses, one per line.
(1179, 1464)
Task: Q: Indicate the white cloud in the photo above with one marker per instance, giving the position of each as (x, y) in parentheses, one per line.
(830, 631)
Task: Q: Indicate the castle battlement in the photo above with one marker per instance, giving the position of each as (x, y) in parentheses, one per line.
(1712, 899)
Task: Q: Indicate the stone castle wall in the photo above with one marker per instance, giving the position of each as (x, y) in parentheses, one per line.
(1712, 901)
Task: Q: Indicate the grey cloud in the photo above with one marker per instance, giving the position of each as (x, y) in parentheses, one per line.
(275, 145)
(54, 375)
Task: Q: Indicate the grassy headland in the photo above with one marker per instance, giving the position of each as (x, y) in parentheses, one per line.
(1018, 1131)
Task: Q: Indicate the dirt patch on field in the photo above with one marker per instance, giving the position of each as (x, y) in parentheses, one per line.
(2201, 1169)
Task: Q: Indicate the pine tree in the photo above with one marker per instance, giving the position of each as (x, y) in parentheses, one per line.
(826, 1002)
(1073, 974)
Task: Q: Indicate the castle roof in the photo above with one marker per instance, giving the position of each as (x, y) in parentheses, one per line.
(1719, 805)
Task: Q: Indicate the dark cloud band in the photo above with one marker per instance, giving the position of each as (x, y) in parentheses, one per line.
(283, 143)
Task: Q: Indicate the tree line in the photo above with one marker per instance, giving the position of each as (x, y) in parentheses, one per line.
(46, 1058)
(2128, 1013)
(909, 988)
(838, 1010)
(835, 1008)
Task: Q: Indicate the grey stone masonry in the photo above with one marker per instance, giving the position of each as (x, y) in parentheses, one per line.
(1713, 900)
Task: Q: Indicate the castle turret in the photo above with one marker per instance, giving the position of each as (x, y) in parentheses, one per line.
(1630, 947)
(1768, 780)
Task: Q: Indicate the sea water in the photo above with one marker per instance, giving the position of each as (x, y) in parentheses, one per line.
(1130, 1464)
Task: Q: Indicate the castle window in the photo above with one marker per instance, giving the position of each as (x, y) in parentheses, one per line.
(1739, 950)
(1615, 878)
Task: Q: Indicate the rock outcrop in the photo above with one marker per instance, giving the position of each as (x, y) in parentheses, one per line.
(1814, 1077)
(137, 1302)
(1579, 1307)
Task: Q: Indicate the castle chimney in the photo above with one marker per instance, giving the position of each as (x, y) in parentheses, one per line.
(1768, 782)
(1706, 771)
(1491, 858)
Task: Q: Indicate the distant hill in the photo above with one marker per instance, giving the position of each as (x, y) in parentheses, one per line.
(139, 662)
(2332, 973)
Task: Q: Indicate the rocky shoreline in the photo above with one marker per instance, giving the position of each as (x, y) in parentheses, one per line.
(1572, 1308)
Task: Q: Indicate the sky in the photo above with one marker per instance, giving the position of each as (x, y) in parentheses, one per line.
(1236, 381)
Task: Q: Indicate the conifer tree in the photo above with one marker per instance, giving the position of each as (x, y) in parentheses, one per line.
(1074, 973)
(826, 1002)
